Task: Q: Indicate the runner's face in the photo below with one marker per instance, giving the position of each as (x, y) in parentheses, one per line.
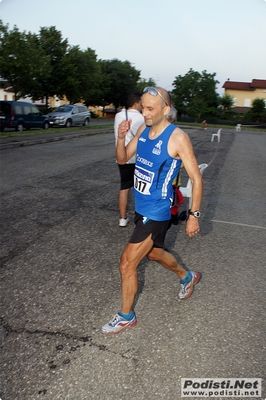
(153, 109)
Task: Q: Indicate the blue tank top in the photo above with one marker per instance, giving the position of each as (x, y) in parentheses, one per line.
(155, 171)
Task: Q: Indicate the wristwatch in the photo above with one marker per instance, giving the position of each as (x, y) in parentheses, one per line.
(195, 214)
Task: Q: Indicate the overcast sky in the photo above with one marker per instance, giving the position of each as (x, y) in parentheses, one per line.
(161, 38)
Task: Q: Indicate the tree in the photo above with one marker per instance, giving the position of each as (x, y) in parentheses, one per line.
(227, 101)
(195, 94)
(55, 48)
(38, 68)
(92, 80)
(258, 110)
(83, 77)
(22, 61)
(142, 83)
(120, 79)
(197, 107)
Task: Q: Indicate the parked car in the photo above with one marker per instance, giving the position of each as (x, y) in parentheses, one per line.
(70, 115)
(21, 115)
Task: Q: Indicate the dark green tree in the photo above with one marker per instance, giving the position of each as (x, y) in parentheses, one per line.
(258, 110)
(92, 82)
(22, 61)
(227, 102)
(196, 108)
(142, 83)
(55, 48)
(38, 68)
(120, 78)
(195, 94)
(84, 79)
(72, 84)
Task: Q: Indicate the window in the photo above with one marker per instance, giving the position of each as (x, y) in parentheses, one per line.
(35, 110)
(247, 103)
(64, 108)
(18, 110)
(27, 110)
(82, 109)
(4, 108)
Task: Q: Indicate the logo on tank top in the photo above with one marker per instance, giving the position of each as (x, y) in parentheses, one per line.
(157, 148)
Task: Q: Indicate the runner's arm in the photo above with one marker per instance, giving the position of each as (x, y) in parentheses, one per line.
(124, 153)
(184, 150)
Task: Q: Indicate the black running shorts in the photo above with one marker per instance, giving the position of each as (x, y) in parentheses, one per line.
(126, 176)
(157, 230)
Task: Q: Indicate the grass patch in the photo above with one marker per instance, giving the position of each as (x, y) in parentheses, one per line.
(198, 126)
(35, 132)
(195, 125)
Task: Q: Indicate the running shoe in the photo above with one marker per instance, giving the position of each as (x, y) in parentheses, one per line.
(187, 288)
(118, 324)
(123, 221)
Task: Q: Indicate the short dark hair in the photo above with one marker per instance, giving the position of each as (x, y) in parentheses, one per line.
(133, 98)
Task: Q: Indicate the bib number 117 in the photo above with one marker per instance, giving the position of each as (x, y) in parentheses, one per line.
(140, 185)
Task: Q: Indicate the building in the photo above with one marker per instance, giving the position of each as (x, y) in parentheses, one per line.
(245, 92)
(7, 93)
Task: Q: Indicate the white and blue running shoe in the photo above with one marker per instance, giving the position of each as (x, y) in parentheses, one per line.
(187, 288)
(118, 324)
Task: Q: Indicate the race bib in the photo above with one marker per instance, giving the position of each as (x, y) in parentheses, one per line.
(143, 180)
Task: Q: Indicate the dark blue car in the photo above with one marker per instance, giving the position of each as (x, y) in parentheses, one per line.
(21, 115)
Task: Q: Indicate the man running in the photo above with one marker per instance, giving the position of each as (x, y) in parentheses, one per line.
(160, 148)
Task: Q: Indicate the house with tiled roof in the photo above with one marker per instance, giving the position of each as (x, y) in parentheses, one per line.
(245, 92)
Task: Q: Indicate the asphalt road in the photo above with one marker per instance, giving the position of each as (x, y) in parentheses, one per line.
(60, 283)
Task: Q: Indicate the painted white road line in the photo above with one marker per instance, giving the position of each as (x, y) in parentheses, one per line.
(237, 223)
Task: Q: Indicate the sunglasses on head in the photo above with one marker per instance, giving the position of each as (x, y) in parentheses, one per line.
(153, 91)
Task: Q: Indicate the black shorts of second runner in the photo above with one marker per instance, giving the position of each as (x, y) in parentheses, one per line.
(126, 175)
(142, 230)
